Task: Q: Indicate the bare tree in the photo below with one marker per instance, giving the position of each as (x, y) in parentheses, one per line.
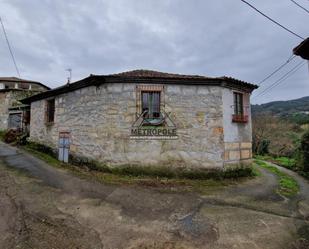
(272, 135)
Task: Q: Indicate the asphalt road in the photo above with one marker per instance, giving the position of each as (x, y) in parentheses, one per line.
(45, 207)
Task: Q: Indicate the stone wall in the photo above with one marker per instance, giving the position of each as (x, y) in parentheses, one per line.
(237, 136)
(10, 98)
(99, 120)
(4, 105)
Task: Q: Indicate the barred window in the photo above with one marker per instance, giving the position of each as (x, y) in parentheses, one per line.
(151, 104)
(50, 110)
(238, 104)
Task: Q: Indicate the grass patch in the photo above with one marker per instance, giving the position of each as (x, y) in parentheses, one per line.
(181, 179)
(287, 184)
(255, 171)
(289, 163)
(2, 134)
(50, 159)
(147, 171)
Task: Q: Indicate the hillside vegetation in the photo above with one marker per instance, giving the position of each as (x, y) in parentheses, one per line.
(296, 111)
(281, 132)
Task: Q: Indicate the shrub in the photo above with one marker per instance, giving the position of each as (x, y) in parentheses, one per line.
(274, 136)
(261, 148)
(14, 136)
(304, 150)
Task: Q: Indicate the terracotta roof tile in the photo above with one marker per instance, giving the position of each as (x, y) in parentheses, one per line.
(144, 76)
(13, 80)
(142, 73)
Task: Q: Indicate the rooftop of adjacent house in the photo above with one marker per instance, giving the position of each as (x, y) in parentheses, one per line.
(7, 83)
(144, 77)
(302, 49)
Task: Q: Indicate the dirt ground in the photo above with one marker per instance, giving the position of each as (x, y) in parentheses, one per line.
(45, 207)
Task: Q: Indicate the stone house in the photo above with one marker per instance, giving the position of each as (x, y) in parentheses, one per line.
(12, 113)
(145, 117)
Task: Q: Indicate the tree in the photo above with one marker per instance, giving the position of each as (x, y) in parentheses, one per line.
(272, 135)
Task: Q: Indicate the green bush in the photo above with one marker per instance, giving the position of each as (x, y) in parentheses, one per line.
(261, 148)
(304, 151)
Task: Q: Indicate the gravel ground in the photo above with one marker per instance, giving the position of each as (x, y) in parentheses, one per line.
(45, 207)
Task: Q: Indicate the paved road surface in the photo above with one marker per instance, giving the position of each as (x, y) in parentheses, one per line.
(44, 207)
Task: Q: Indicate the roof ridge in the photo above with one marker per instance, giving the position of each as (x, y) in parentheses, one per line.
(153, 73)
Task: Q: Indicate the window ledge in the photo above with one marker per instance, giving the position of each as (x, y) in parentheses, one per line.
(240, 118)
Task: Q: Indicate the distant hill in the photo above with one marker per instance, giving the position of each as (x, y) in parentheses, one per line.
(296, 110)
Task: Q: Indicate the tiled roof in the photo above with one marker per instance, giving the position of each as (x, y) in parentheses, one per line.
(13, 80)
(150, 74)
(142, 73)
(144, 77)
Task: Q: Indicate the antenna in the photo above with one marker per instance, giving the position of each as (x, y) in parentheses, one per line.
(70, 77)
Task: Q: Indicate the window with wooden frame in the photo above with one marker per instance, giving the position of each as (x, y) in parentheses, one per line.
(151, 104)
(50, 111)
(238, 103)
(149, 101)
(239, 114)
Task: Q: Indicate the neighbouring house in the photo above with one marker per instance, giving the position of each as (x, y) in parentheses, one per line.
(13, 114)
(302, 49)
(145, 117)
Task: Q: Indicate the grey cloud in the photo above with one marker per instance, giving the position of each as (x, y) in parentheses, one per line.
(211, 38)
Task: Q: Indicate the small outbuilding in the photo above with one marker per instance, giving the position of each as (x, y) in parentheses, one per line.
(14, 115)
(145, 117)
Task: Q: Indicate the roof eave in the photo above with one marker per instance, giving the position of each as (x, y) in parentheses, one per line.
(89, 81)
(99, 80)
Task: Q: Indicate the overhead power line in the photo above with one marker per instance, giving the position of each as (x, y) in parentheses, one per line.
(269, 18)
(280, 80)
(278, 69)
(284, 77)
(10, 48)
(300, 6)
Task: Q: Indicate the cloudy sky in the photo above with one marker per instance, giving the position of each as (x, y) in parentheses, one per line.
(213, 38)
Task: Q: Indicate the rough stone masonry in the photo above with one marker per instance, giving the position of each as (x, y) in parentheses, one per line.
(99, 118)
